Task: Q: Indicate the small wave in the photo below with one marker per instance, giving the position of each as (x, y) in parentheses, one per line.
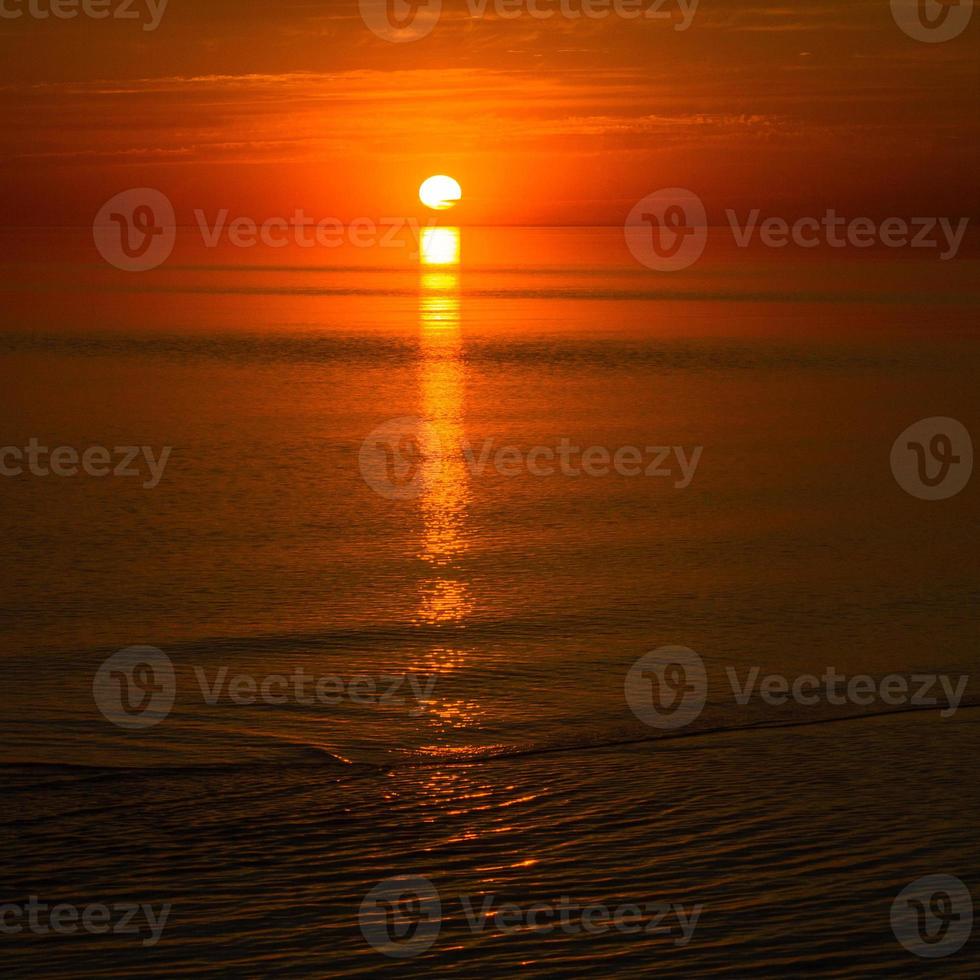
(21, 776)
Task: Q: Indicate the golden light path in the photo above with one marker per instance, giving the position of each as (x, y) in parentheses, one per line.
(445, 594)
(439, 246)
(445, 480)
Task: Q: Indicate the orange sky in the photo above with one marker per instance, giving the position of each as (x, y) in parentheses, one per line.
(263, 108)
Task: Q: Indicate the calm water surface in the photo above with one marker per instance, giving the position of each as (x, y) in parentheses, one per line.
(519, 601)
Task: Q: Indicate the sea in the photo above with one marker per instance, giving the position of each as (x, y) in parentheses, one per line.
(486, 569)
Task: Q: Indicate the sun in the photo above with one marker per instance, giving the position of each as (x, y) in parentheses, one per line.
(440, 192)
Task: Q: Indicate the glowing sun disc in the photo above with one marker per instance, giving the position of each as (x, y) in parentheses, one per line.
(440, 192)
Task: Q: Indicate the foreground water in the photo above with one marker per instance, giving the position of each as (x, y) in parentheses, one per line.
(507, 603)
(794, 846)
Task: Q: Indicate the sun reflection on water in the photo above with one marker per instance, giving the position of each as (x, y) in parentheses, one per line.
(440, 246)
(445, 596)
